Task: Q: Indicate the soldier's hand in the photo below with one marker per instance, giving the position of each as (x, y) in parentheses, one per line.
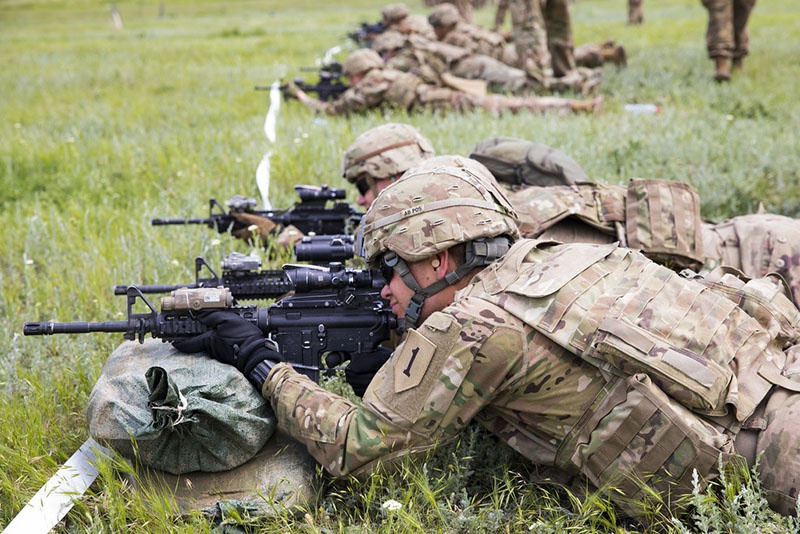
(231, 339)
(253, 224)
(291, 90)
(359, 371)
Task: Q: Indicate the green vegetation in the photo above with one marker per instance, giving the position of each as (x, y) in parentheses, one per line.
(104, 129)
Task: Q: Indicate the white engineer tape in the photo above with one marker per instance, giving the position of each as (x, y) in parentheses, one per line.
(57, 496)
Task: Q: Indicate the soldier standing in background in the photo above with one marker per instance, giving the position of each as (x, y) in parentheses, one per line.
(635, 12)
(396, 18)
(727, 40)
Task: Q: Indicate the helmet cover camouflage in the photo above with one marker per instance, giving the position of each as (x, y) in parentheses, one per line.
(455, 160)
(388, 40)
(393, 13)
(385, 151)
(431, 210)
(444, 15)
(361, 61)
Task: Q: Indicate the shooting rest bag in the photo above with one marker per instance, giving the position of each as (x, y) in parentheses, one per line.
(177, 412)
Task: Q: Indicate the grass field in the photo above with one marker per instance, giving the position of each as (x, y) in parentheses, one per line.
(103, 129)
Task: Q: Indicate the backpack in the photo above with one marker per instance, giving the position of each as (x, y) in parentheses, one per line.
(517, 162)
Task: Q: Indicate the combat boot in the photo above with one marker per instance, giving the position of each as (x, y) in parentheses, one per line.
(614, 54)
(723, 69)
(738, 64)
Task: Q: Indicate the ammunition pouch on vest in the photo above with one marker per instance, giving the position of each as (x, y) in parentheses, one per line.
(636, 439)
(663, 221)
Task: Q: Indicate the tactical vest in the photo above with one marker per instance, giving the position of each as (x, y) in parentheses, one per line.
(686, 361)
(659, 217)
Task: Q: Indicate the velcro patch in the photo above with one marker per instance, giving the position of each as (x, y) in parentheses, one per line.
(410, 365)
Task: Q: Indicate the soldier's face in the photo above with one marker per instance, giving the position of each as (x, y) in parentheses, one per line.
(399, 294)
(368, 189)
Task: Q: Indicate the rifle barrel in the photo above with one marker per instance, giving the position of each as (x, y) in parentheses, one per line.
(161, 222)
(47, 328)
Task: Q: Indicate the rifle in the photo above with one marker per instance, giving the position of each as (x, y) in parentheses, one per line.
(242, 275)
(366, 32)
(334, 315)
(328, 87)
(310, 215)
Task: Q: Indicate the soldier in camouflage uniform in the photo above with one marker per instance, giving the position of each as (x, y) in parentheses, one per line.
(727, 38)
(381, 155)
(375, 159)
(528, 52)
(396, 18)
(587, 358)
(373, 85)
(433, 61)
(635, 11)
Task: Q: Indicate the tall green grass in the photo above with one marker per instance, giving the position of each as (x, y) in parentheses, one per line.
(104, 129)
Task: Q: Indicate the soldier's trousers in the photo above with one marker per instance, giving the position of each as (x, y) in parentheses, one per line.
(559, 36)
(500, 77)
(727, 35)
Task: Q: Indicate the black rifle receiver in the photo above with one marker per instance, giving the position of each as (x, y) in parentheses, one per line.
(328, 87)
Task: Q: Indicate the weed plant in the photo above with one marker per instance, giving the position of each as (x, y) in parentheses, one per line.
(104, 128)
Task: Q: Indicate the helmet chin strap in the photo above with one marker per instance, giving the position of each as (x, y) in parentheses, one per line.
(479, 253)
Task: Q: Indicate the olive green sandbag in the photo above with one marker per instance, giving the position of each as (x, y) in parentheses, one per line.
(520, 162)
(177, 412)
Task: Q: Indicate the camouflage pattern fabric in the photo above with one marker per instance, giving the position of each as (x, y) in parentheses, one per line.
(560, 42)
(177, 412)
(513, 352)
(430, 59)
(409, 92)
(755, 244)
(477, 40)
(727, 35)
(597, 205)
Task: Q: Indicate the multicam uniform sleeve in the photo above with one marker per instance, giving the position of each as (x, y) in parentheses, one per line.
(366, 94)
(437, 380)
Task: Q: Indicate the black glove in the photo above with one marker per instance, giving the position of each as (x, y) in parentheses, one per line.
(359, 371)
(233, 340)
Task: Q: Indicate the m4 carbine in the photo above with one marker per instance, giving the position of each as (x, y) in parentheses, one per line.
(333, 315)
(328, 87)
(311, 215)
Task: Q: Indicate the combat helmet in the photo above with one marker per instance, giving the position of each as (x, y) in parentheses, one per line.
(361, 61)
(388, 40)
(384, 152)
(394, 13)
(431, 210)
(444, 15)
(455, 160)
